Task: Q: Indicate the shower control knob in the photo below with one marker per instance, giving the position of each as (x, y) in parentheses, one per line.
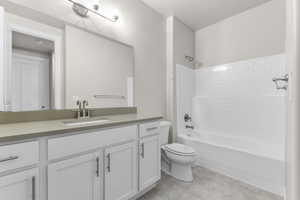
(278, 81)
(187, 118)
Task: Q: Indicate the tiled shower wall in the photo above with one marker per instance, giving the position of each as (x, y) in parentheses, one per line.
(240, 100)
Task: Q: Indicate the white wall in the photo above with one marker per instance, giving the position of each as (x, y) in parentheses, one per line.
(184, 43)
(2, 63)
(139, 26)
(170, 68)
(185, 92)
(180, 42)
(257, 32)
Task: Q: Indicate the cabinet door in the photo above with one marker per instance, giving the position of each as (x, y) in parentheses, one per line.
(76, 179)
(121, 172)
(20, 186)
(149, 161)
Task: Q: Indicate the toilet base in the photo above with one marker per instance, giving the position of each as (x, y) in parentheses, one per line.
(182, 172)
(178, 171)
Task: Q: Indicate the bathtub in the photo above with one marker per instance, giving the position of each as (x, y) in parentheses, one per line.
(259, 164)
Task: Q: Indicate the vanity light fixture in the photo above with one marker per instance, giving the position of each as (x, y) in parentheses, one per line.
(82, 11)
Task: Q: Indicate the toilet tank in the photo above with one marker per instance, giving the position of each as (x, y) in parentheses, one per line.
(164, 132)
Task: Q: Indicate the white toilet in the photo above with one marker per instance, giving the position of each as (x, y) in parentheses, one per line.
(177, 159)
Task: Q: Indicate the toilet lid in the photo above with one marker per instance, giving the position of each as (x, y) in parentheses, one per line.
(180, 149)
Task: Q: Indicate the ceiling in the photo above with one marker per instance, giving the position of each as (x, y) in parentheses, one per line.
(201, 13)
(31, 43)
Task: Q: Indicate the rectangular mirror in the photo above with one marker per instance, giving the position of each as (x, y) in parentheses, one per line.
(98, 69)
(47, 67)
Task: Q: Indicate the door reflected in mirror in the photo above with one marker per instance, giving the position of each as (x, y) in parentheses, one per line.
(31, 62)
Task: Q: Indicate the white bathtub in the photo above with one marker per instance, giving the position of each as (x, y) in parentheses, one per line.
(258, 164)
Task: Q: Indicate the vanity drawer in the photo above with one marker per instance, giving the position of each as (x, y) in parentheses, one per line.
(18, 155)
(89, 140)
(150, 128)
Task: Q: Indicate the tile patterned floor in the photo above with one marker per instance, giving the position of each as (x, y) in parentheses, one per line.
(207, 185)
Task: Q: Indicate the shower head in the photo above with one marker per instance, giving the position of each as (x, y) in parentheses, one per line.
(193, 61)
(189, 58)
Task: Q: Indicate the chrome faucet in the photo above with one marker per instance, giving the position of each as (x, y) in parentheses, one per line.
(187, 118)
(79, 111)
(86, 112)
(82, 111)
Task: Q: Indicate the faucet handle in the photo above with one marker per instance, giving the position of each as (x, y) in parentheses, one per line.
(79, 103)
(86, 112)
(79, 111)
(85, 103)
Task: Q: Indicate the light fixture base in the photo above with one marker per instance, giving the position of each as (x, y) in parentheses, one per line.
(83, 11)
(80, 10)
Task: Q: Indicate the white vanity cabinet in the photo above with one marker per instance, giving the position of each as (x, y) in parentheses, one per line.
(149, 161)
(149, 151)
(112, 162)
(121, 171)
(117, 163)
(23, 184)
(76, 178)
(20, 186)
(16, 156)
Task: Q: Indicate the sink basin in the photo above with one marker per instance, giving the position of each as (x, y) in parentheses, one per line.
(85, 122)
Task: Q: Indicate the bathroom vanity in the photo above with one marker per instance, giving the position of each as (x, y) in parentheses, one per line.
(118, 159)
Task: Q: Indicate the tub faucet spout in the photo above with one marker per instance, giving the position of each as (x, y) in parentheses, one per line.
(189, 127)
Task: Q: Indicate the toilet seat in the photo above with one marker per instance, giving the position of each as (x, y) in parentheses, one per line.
(180, 149)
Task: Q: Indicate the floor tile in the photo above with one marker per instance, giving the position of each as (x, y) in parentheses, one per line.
(207, 185)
